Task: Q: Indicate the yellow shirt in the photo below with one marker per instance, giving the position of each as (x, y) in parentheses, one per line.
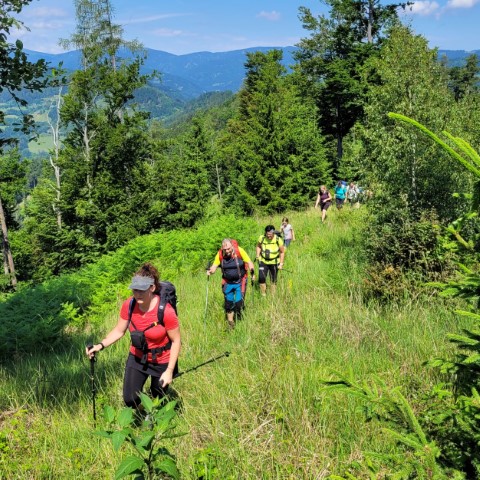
(243, 255)
(273, 246)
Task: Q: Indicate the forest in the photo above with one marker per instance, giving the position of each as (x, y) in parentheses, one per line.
(365, 364)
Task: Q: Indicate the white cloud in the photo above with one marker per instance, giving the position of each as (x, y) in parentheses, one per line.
(46, 12)
(151, 18)
(272, 16)
(167, 32)
(424, 8)
(461, 3)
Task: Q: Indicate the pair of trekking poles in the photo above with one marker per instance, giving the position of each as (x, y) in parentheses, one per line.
(93, 359)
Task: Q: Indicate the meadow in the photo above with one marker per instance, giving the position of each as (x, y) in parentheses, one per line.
(261, 413)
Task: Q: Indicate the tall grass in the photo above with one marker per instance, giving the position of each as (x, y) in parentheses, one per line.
(260, 413)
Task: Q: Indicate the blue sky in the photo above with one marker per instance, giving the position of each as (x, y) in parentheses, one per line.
(186, 26)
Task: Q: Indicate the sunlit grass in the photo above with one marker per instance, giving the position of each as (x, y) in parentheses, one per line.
(259, 413)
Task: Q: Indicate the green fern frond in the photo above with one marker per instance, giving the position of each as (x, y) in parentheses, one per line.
(437, 140)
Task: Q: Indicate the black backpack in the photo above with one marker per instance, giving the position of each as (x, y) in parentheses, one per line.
(168, 294)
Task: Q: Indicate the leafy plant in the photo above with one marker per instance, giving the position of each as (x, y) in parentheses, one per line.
(417, 456)
(151, 459)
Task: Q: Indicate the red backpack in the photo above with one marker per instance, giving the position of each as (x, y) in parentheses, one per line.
(235, 248)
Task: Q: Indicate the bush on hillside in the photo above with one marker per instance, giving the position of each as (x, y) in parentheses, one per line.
(403, 250)
(39, 317)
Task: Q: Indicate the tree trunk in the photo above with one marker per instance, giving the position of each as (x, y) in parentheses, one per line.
(7, 254)
(55, 129)
(371, 8)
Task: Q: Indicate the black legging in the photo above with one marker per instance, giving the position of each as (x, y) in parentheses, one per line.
(133, 383)
(264, 269)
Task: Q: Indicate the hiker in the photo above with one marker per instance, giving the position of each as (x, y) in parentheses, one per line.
(287, 231)
(235, 264)
(270, 255)
(340, 192)
(324, 199)
(159, 362)
(352, 194)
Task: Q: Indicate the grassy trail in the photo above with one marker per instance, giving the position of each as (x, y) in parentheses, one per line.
(260, 413)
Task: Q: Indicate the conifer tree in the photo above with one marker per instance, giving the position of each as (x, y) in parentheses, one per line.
(273, 151)
(332, 57)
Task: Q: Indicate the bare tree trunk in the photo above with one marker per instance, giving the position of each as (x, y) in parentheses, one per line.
(55, 128)
(218, 182)
(8, 258)
(371, 9)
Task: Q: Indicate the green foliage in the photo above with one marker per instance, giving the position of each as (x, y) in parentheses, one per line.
(272, 152)
(205, 465)
(402, 251)
(258, 414)
(463, 80)
(400, 160)
(12, 183)
(151, 459)
(332, 58)
(16, 71)
(418, 456)
(449, 412)
(37, 317)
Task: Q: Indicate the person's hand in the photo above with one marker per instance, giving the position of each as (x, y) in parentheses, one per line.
(166, 378)
(93, 350)
(280, 266)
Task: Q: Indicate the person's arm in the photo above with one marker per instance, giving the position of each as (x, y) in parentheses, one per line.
(246, 259)
(117, 332)
(293, 235)
(282, 255)
(329, 199)
(258, 250)
(174, 336)
(318, 201)
(215, 264)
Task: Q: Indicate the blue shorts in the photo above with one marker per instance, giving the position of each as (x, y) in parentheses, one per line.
(233, 292)
(233, 296)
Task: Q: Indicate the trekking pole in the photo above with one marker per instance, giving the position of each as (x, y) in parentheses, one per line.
(93, 359)
(188, 370)
(206, 301)
(179, 374)
(252, 283)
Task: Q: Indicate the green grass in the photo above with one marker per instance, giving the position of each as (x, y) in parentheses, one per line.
(260, 413)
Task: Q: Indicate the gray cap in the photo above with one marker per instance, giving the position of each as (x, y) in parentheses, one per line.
(141, 283)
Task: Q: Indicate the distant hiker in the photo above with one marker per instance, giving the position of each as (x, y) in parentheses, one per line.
(287, 231)
(155, 344)
(270, 256)
(235, 265)
(340, 193)
(352, 194)
(324, 199)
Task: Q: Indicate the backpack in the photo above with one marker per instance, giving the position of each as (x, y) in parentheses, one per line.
(168, 295)
(235, 248)
(242, 270)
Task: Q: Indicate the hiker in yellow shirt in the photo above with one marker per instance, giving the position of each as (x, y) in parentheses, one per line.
(235, 264)
(270, 256)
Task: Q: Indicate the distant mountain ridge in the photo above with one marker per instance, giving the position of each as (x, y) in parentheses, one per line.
(188, 75)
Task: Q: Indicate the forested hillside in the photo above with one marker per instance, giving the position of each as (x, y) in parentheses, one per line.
(366, 297)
